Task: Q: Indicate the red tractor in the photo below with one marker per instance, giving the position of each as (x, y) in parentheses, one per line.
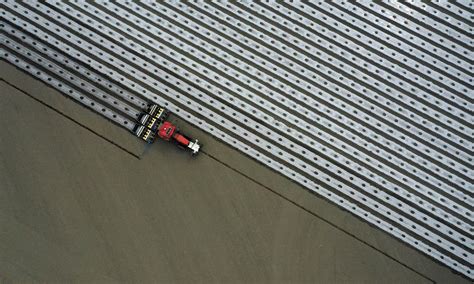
(153, 123)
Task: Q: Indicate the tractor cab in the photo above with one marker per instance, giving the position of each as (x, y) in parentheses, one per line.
(166, 130)
(169, 132)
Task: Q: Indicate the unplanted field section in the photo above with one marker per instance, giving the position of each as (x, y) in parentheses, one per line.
(367, 104)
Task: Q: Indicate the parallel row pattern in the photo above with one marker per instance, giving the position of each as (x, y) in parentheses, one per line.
(369, 105)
